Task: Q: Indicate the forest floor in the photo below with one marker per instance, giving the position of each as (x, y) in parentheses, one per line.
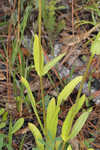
(75, 40)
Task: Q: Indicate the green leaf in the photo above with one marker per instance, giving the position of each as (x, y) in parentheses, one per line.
(26, 84)
(17, 125)
(68, 90)
(9, 147)
(32, 100)
(52, 118)
(69, 147)
(5, 116)
(2, 110)
(38, 56)
(67, 125)
(37, 135)
(2, 125)
(79, 104)
(88, 141)
(95, 47)
(2, 136)
(58, 143)
(51, 64)
(79, 124)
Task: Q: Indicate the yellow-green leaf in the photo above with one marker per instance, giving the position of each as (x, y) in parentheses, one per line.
(52, 118)
(51, 64)
(58, 144)
(38, 137)
(95, 47)
(68, 89)
(67, 125)
(2, 110)
(5, 116)
(79, 104)
(38, 56)
(17, 125)
(2, 125)
(26, 84)
(79, 124)
(32, 100)
(69, 147)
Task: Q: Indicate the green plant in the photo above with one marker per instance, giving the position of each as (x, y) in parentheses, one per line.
(88, 141)
(50, 23)
(15, 44)
(49, 17)
(68, 130)
(12, 129)
(69, 147)
(2, 137)
(4, 118)
(3, 121)
(95, 13)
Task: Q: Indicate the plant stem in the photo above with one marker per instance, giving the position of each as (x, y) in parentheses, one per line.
(63, 146)
(84, 77)
(43, 103)
(41, 81)
(40, 123)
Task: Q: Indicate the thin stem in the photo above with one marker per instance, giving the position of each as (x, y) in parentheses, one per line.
(84, 77)
(43, 103)
(41, 81)
(40, 123)
(40, 22)
(63, 146)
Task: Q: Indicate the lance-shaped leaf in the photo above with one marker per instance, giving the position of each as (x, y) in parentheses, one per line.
(26, 84)
(68, 90)
(69, 147)
(95, 47)
(38, 56)
(2, 110)
(17, 125)
(38, 137)
(79, 124)
(67, 125)
(52, 118)
(32, 100)
(2, 125)
(51, 64)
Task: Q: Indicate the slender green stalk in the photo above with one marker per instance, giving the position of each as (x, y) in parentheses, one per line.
(84, 77)
(32, 100)
(39, 121)
(43, 102)
(22, 143)
(40, 22)
(41, 81)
